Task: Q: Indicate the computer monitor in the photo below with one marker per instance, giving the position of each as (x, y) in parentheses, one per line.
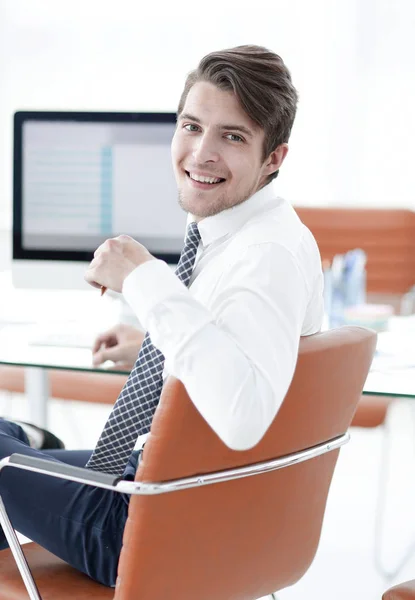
(83, 177)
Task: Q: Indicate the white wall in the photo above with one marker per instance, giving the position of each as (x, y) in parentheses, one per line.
(352, 63)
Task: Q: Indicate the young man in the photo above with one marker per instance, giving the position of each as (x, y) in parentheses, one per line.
(248, 285)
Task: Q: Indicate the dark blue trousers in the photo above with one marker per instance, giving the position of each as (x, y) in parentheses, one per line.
(81, 524)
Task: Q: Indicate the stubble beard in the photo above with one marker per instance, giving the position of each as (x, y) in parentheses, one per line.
(209, 209)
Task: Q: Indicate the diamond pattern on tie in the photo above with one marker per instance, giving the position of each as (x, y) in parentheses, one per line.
(134, 409)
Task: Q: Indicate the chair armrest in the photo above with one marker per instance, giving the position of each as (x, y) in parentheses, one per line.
(80, 475)
(111, 482)
(61, 470)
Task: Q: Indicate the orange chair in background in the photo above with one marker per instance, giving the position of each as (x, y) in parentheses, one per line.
(386, 235)
(100, 388)
(388, 238)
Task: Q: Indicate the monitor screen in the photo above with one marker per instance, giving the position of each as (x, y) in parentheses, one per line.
(80, 178)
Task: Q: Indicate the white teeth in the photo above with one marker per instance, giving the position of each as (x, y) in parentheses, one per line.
(204, 179)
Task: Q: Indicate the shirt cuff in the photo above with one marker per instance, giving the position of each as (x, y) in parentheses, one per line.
(149, 285)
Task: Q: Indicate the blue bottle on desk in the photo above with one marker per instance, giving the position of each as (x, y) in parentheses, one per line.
(348, 284)
(337, 292)
(327, 293)
(354, 278)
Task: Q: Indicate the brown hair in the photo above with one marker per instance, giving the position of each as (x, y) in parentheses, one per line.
(261, 82)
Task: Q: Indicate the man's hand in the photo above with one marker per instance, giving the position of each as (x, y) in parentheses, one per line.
(114, 260)
(121, 344)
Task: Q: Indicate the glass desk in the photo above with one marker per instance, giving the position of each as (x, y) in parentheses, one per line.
(392, 373)
(15, 350)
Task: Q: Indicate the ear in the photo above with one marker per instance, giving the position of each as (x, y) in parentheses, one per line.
(276, 158)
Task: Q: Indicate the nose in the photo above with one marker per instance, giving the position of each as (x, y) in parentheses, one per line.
(205, 149)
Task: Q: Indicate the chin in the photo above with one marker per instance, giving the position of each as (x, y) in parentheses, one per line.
(199, 207)
(193, 208)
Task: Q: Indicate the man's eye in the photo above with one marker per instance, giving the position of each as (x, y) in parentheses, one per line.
(234, 138)
(191, 127)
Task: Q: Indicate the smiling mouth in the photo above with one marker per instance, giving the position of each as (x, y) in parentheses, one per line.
(208, 181)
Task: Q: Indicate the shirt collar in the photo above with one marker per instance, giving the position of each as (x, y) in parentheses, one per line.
(230, 220)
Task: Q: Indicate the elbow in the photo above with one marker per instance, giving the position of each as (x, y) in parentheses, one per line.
(239, 444)
(248, 418)
(242, 436)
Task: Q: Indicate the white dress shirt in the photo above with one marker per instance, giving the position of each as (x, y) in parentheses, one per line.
(232, 337)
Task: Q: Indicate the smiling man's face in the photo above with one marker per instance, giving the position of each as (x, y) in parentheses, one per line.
(217, 152)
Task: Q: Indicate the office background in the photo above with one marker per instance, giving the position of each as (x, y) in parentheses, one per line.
(352, 63)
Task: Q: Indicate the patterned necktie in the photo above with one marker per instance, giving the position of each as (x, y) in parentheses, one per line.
(133, 412)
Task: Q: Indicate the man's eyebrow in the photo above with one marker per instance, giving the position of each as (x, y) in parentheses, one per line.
(241, 128)
(188, 117)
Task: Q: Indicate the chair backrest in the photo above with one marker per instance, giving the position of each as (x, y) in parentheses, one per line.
(245, 538)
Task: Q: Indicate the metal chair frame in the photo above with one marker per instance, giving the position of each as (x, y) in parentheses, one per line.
(103, 480)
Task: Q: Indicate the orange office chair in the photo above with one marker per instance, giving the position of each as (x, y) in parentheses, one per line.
(208, 522)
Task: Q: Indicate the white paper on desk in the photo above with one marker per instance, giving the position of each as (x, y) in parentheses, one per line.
(394, 351)
(392, 363)
(15, 349)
